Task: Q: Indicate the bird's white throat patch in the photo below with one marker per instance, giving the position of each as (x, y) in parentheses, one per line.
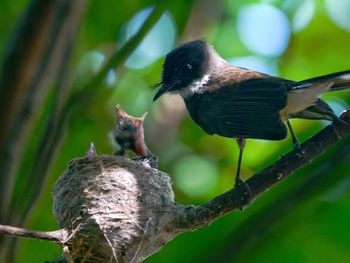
(196, 86)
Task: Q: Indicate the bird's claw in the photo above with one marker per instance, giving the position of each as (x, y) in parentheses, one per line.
(300, 152)
(244, 192)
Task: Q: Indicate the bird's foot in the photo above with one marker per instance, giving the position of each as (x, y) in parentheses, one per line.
(149, 161)
(244, 192)
(341, 121)
(300, 152)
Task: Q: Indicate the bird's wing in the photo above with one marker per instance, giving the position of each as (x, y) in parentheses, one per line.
(249, 109)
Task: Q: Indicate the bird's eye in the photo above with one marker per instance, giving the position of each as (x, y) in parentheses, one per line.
(189, 66)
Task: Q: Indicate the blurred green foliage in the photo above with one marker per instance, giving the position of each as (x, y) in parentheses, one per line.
(312, 228)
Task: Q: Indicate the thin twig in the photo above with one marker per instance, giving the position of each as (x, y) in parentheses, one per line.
(57, 236)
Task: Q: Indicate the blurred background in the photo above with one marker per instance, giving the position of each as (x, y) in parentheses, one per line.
(66, 64)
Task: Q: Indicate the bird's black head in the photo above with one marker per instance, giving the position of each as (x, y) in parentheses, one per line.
(184, 65)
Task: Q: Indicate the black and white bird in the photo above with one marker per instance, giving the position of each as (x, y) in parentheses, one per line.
(240, 103)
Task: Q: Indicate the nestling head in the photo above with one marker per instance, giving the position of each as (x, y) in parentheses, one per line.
(187, 65)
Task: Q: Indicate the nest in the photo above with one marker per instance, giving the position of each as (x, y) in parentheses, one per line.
(114, 208)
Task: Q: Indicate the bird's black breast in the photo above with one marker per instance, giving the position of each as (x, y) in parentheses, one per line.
(249, 109)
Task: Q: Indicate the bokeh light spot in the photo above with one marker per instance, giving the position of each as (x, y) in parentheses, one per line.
(264, 29)
(339, 11)
(256, 63)
(91, 62)
(303, 15)
(156, 44)
(195, 176)
(337, 104)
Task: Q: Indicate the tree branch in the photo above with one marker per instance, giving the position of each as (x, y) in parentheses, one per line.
(321, 179)
(57, 236)
(204, 214)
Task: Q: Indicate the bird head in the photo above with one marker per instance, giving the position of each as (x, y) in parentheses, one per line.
(186, 65)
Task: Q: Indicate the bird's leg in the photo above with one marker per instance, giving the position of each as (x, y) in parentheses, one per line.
(296, 142)
(241, 145)
(240, 185)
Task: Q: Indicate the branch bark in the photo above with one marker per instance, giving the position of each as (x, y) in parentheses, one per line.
(117, 210)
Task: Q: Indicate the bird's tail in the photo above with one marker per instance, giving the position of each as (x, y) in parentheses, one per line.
(337, 81)
(303, 101)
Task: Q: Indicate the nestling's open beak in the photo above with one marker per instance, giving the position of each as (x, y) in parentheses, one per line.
(163, 89)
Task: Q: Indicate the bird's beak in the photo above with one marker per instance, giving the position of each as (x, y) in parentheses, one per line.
(163, 89)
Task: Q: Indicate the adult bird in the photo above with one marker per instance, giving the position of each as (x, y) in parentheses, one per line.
(240, 103)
